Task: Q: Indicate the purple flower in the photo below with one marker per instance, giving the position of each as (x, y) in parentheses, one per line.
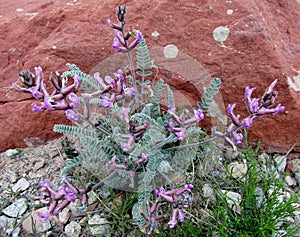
(238, 137)
(248, 93)
(45, 183)
(125, 146)
(116, 44)
(114, 26)
(71, 115)
(106, 102)
(34, 90)
(113, 164)
(130, 91)
(71, 197)
(189, 187)
(77, 81)
(231, 115)
(230, 108)
(278, 109)
(173, 220)
(158, 192)
(62, 190)
(253, 105)
(270, 89)
(43, 217)
(181, 134)
(75, 101)
(187, 197)
(36, 108)
(137, 40)
(247, 122)
(199, 114)
(47, 104)
(180, 216)
(170, 125)
(110, 81)
(144, 159)
(171, 109)
(119, 75)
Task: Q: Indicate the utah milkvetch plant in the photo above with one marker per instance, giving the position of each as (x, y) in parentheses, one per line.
(134, 141)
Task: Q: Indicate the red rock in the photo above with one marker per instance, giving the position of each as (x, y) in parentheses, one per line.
(262, 45)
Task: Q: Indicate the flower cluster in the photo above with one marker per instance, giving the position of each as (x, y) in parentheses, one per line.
(62, 98)
(179, 198)
(256, 110)
(113, 90)
(120, 43)
(60, 199)
(183, 121)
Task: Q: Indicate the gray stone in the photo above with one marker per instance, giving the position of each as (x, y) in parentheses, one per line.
(296, 165)
(221, 33)
(238, 169)
(170, 51)
(17, 208)
(32, 223)
(290, 181)
(8, 225)
(233, 199)
(38, 165)
(208, 192)
(64, 215)
(11, 152)
(99, 226)
(21, 185)
(73, 229)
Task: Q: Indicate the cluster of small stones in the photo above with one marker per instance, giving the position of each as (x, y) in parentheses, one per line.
(23, 169)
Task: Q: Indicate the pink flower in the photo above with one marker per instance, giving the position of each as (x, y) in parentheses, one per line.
(180, 216)
(43, 217)
(106, 102)
(238, 137)
(34, 90)
(247, 122)
(199, 114)
(278, 109)
(75, 101)
(248, 93)
(231, 115)
(36, 108)
(173, 220)
(71, 115)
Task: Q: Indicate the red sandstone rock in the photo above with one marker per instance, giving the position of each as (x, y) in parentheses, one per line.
(262, 45)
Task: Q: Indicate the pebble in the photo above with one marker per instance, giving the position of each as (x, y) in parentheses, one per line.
(98, 226)
(38, 226)
(221, 33)
(296, 169)
(290, 181)
(8, 224)
(233, 200)
(208, 192)
(237, 169)
(17, 208)
(11, 152)
(64, 215)
(38, 165)
(73, 229)
(170, 51)
(21, 185)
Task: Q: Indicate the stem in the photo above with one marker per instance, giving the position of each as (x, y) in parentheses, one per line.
(203, 142)
(131, 69)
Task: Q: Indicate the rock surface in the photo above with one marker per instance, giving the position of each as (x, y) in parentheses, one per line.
(242, 42)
